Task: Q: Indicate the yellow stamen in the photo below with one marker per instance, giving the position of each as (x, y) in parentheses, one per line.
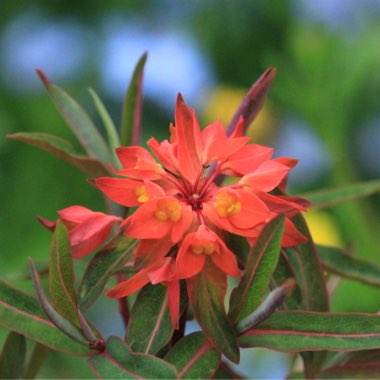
(142, 194)
(226, 203)
(168, 209)
(207, 248)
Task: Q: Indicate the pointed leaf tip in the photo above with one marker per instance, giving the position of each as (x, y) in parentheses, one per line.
(132, 106)
(253, 101)
(43, 77)
(58, 320)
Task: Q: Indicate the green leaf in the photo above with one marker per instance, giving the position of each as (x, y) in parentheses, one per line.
(61, 322)
(261, 263)
(119, 362)
(102, 266)
(354, 365)
(37, 359)
(113, 138)
(330, 197)
(12, 357)
(337, 261)
(206, 295)
(131, 113)
(151, 332)
(293, 331)
(61, 275)
(307, 267)
(305, 262)
(194, 357)
(62, 150)
(272, 302)
(283, 272)
(239, 246)
(78, 120)
(253, 101)
(21, 312)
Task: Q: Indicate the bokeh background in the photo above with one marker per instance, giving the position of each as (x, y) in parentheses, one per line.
(324, 109)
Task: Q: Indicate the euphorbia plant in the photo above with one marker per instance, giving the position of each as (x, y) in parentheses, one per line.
(179, 220)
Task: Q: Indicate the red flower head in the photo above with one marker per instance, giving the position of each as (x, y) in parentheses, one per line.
(87, 229)
(182, 211)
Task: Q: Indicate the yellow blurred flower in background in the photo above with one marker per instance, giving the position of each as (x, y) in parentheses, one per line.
(225, 100)
(323, 228)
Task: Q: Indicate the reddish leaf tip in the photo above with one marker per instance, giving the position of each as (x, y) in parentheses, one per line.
(43, 77)
(50, 225)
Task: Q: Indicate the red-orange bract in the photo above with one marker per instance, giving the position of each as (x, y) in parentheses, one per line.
(87, 229)
(183, 215)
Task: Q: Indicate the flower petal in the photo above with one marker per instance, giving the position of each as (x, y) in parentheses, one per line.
(130, 286)
(226, 261)
(266, 177)
(89, 235)
(291, 235)
(174, 302)
(75, 214)
(216, 145)
(128, 192)
(287, 205)
(188, 137)
(162, 272)
(247, 159)
(138, 163)
(151, 251)
(165, 152)
(188, 264)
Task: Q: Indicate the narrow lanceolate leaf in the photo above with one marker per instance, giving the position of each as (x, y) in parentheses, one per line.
(307, 267)
(150, 333)
(305, 262)
(330, 197)
(253, 101)
(131, 114)
(354, 365)
(337, 261)
(267, 307)
(62, 150)
(261, 263)
(78, 120)
(103, 265)
(206, 295)
(194, 357)
(61, 275)
(119, 362)
(292, 331)
(12, 357)
(21, 312)
(59, 321)
(113, 137)
(36, 361)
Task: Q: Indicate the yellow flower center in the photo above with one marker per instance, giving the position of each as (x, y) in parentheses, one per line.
(168, 210)
(142, 194)
(226, 203)
(207, 248)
